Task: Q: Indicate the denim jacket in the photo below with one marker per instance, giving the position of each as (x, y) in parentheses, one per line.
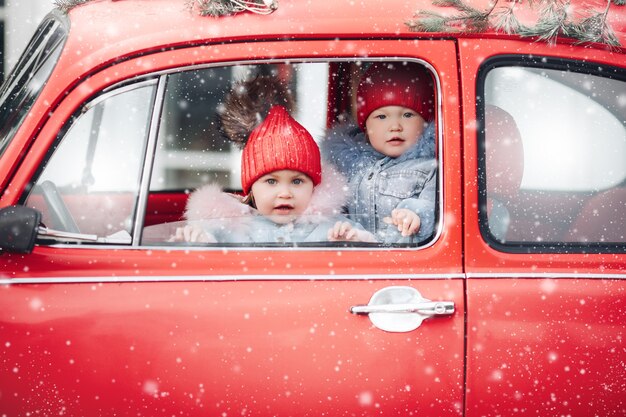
(379, 183)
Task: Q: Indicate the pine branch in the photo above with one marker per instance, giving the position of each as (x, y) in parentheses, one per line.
(210, 8)
(545, 30)
(458, 4)
(217, 8)
(67, 5)
(504, 19)
(469, 19)
(554, 20)
(430, 22)
(594, 28)
(478, 22)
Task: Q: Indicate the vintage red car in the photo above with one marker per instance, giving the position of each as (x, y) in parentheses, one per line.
(515, 305)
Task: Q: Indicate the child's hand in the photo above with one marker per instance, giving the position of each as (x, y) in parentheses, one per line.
(344, 232)
(192, 234)
(408, 221)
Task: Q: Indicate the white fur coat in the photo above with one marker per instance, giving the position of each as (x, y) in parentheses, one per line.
(209, 202)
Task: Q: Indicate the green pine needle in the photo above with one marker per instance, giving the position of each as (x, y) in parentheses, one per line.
(504, 19)
(429, 22)
(447, 3)
(594, 29)
(546, 30)
(67, 5)
(554, 20)
(217, 8)
(210, 7)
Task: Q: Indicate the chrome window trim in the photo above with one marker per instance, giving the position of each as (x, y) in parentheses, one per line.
(542, 275)
(148, 162)
(108, 93)
(440, 158)
(277, 277)
(181, 247)
(227, 278)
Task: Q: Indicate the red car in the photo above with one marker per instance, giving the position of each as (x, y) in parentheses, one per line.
(514, 306)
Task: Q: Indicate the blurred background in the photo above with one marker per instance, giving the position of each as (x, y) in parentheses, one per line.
(18, 21)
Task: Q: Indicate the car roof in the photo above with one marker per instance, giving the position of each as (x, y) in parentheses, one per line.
(103, 32)
(117, 28)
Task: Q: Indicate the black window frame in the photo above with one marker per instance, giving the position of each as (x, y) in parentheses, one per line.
(537, 62)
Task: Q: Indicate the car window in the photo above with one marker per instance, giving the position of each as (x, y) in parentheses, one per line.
(90, 184)
(192, 148)
(555, 156)
(146, 161)
(28, 78)
(196, 155)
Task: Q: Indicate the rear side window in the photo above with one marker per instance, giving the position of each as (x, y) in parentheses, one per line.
(554, 155)
(28, 78)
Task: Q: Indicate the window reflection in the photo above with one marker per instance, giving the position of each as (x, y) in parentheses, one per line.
(571, 186)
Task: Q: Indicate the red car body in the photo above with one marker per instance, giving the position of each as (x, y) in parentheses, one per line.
(134, 329)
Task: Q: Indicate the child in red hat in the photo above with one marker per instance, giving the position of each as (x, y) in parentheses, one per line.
(389, 158)
(285, 200)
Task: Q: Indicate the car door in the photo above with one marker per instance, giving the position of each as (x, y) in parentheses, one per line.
(128, 325)
(545, 249)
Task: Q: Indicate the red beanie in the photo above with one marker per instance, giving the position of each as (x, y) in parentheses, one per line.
(395, 84)
(279, 142)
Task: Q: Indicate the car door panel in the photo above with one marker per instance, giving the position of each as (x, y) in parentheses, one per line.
(546, 343)
(251, 331)
(545, 314)
(267, 347)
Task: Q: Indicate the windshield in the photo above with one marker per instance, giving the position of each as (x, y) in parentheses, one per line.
(28, 78)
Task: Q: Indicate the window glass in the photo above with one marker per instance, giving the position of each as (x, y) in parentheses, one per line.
(192, 148)
(28, 78)
(91, 182)
(209, 114)
(555, 143)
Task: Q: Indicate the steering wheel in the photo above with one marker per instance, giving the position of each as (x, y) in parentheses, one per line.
(61, 216)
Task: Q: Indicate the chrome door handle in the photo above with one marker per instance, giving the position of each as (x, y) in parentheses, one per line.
(429, 308)
(401, 309)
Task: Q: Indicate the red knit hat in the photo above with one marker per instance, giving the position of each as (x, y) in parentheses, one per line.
(279, 142)
(395, 84)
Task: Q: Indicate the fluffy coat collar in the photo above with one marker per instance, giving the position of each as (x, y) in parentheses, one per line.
(351, 133)
(210, 202)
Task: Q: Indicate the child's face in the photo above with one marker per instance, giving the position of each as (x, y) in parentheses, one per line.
(392, 130)
(282, 195)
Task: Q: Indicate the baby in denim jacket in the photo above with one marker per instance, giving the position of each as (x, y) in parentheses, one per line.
(389, 159)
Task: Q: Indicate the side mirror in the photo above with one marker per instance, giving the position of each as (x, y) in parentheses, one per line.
(18, 228)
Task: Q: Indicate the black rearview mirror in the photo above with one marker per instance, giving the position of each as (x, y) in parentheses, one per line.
(18, 228)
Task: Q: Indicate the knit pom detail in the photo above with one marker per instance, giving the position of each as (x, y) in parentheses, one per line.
(248, 104)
